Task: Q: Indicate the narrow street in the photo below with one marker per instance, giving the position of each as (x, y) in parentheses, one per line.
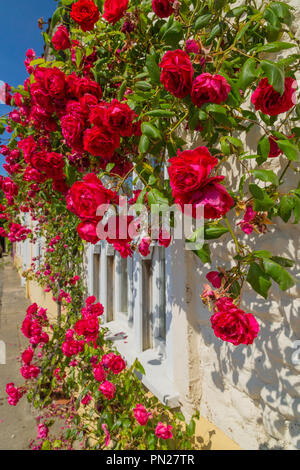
(17, 425)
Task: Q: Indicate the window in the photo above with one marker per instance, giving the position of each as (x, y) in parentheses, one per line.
(133, 292)
(136, 296)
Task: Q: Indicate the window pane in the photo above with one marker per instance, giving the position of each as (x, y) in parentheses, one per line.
(124, 286)
(147, 304)
(110, 287)
(96, 280)
(162, 293)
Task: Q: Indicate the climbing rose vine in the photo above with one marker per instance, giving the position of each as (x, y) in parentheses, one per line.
(105, 114)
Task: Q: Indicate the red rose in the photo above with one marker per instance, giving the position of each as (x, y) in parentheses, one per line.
(27, 146)
(268, 101)
(72, 127)
(117, 364)
(87, 101)
(141, 414)
(163, 8)
(78, 87)
(100, 142)
(31, 174)
(233, 324)
(86, 196)
(74, 107)
(99, 373)
(61, 40)
(118, 118)
(97, 309)
(164, 432)
(214, 197)
(114, 10)
(40, 118)
(108, 389)
(177, 73)
(189, 169)
(209, 88)
(51, 163)
(27, 355)
(87, 231)
(97, 114)
(42, 98)
(53, 81)
(275, 151)
(215, 278)
(189, 178)
(9, 187)
(85, 13)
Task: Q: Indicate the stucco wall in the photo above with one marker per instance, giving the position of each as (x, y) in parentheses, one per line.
(252, 393)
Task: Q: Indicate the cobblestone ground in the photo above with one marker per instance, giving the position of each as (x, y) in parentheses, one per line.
(17, 424)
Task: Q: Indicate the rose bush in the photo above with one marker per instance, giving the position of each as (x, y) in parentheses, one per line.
(108, 109)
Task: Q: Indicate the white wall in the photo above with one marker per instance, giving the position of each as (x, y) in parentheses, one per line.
(251, 392)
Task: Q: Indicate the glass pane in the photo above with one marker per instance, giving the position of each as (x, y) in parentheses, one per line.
(96, 281)
(147, 304)
(110, 287)
(162, 293)
(124, 286)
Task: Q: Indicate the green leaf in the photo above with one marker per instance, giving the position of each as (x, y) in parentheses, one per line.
(173, 34)
(285, 262)
(144, 144)
(286, 207)
(282, 11)
(156, 197)
(248, 73)
(278, 274)
(259, 280)
(274, 74)
(78, 56)
(274, 46)
(214, 231)
(290, 150)
(122, 90)
(204, 253)
(160, 113)
(202, 21)
(150, 131)
(237, 143)
(243, 30)
(190, 429)
(56, 17)
(193, 118)
(264, 204)
(256, 191)
(143, 86)
(225, 147)
(266, 175)
(216, 31)
(262, 254)
(215, 108)
(109, 167)
(297, 210)
(263, 147)
(46, 445)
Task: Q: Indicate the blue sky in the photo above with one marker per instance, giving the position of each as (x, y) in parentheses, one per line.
(18, 32)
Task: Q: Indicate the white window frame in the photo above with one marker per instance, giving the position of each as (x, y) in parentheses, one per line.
(127, 330)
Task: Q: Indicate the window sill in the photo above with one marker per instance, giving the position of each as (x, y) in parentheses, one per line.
(155, 378)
